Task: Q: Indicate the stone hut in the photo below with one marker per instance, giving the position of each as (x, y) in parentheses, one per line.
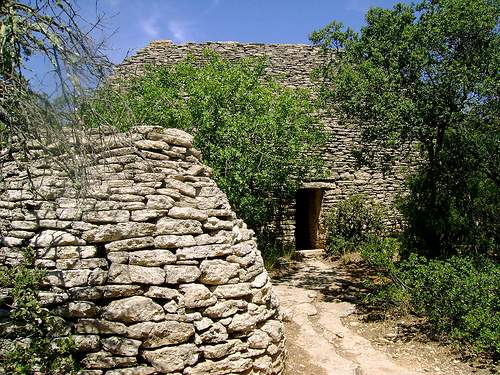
(302, 222)
(148, 265)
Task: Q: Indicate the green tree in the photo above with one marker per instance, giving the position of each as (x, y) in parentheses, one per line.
(427, 75)
(254, 133)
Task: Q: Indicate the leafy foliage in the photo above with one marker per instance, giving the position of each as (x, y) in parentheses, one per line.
(40, 343)
(460, 298)
(351, 226)
(255, 134)
(427, 75)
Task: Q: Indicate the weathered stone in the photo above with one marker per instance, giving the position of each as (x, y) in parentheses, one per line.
(203, 252)
(233, 290)
(133, 310)
(226, 366)
(79, 309)
(152, 258)
(159, 202)
(170, 359)
(145, 215)
(107, 233)
(103, 360)
(155, 335)
(259, 340)
(130, 244)
(173, 241)
(183, 187)
(72, 263)
(181, 274)
(179, 227)
(215, 224)
(217, 272)
(139, 370)
(187, 213)
(76, 252)
(111, 216)
(196, 295)
(121, 346)
(51, 237)
(274, 329)
(130, 274)
(86, 343)
(162, 292)
(67, 278)
(217, 333)
(100, 327)
(114, 291)
(225, 309)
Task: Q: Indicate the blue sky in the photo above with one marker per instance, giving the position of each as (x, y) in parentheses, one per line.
(265, 21)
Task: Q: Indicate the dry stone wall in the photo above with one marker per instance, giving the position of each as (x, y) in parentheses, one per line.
(148, 265)
(292, 64)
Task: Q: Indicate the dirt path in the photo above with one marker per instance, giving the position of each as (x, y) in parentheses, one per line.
(324, 336)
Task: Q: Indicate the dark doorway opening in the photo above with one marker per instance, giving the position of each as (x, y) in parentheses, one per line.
(307, 219)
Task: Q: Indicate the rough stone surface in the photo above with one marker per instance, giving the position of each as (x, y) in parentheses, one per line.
(151, 268)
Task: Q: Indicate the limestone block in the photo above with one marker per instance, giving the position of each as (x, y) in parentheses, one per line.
(67, 278)
(133, 309)
(104, 360)
(259, 340)
(181, 274)
(218, 350)
(216, 334)
(228, 365)
(139, 370)
(218, 237)
(179, 227)
(121, 346)
(14, 241)
(109, 232)
(187, 213)
(196, 295)
(48, 298)
(126, 197)
(233, 290)
(171, 241)
(260, 280)
(68, 213)
(98, 276)
(170, 359)
(149, 145)
(110, 216)
(130, 244)
(242, 322)
(145, 215)
(263, 364)
(203, 324)
(225, 309)
(152, 258)
(86, 343)
(131, 274)
(182, 187)
(78, 309)
(159, 202)
(24, 225)
(217, 272)
(51, 237)
(70, 252)
(203, 252)
(214, 223)
(162, 292)
(118, 256)
(114, 291)
(100, 327)
(73, 263)
(156, 335)
(274, 329)
(85, 293)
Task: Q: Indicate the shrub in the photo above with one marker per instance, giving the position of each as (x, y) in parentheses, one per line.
(352, 224)
(459, 297)
(39, 343)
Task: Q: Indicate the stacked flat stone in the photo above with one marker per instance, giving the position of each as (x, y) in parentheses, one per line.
(149, 265)
(292, 65)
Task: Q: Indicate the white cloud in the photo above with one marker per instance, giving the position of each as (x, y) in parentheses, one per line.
(181, 30)
(149, 27)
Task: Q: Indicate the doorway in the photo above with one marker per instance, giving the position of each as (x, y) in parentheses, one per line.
(307, 219)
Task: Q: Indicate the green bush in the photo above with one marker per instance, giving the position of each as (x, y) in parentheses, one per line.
(40, 343)
(352, 224)
(459, 297)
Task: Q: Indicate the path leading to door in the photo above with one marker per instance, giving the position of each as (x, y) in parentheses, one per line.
(318, 342)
